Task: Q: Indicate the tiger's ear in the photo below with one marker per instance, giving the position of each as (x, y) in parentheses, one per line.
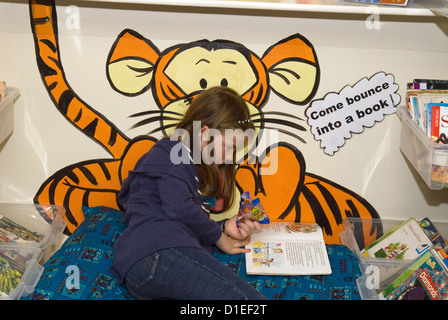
(131, 62)
(293, 69)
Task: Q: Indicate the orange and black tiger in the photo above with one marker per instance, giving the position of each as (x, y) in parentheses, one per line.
(289, 69)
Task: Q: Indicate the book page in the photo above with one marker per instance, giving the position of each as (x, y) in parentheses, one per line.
(289, 230)
(300, 254)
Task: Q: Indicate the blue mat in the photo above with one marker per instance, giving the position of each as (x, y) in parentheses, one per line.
(86, 256)
(339, 285)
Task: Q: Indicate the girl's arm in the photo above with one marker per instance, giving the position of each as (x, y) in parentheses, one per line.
(240, 229)
(232, 246)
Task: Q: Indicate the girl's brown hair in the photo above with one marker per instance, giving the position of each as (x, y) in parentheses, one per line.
(217, 108)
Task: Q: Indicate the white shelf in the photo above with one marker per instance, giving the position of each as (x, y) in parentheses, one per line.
(323, 6)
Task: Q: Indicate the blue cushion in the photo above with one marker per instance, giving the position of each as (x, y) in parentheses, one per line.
(88, 253)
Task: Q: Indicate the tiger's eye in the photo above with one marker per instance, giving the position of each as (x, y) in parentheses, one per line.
(224, 82)
(203, 83)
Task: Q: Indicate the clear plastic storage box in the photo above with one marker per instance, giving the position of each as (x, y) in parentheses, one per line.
(7, 113)
(430, 159)
(19, 270)
(378, 273)
(25, 240)
(26, 226)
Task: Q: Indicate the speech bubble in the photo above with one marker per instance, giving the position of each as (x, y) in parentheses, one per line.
(337, 116)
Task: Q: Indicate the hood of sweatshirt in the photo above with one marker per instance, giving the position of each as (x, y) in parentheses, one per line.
(166, 157)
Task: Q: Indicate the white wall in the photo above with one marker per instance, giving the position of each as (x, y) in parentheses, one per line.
(370, 163)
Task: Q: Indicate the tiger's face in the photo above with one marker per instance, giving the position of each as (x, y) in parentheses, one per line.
(197, 69)
(180, 73)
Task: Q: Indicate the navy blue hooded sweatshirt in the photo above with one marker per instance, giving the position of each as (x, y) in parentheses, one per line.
(163, 207)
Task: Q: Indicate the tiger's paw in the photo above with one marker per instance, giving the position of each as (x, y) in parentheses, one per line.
(275, 178)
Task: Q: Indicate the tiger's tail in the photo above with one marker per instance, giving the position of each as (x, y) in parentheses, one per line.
(75, 110)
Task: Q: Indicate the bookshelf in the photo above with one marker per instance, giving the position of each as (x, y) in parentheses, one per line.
(427, 8)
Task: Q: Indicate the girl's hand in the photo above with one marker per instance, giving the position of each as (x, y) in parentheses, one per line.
(230, 245)
(243, 230)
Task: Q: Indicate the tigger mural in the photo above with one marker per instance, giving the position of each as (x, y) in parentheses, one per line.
(175, 76)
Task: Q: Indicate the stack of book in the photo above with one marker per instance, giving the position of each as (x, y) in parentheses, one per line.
(427, 276)
(425, 279)
(428, 107)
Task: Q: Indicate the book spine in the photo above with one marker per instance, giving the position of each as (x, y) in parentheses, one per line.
(435, 121)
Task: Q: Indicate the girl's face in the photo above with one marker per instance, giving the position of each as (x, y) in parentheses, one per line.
(222, 147)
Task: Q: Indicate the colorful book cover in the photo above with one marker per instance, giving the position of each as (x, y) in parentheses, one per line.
(439, 119)
(9, 275)
(426, 279)
(13, 232)
(443, 258)
(405, 241)
(433, 234)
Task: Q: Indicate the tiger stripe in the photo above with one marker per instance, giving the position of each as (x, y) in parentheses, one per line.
(328, 204)
(85, 184)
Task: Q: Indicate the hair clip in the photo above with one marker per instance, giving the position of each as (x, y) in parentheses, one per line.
(244, 121)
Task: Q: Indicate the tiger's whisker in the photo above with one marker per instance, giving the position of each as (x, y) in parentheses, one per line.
(254, 115)
(281, 122)
(163, 128)
(288, 133)
(152, 119)
(144, 113)
(283, 114)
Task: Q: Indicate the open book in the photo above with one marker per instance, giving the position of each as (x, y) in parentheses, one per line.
(288, 248)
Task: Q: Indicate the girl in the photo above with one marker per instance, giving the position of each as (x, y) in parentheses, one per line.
(165, 251)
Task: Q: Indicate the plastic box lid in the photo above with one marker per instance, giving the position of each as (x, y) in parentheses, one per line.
(429, 159)
(19, 271)
(387, 269)
(23, 225)
(7, 112)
